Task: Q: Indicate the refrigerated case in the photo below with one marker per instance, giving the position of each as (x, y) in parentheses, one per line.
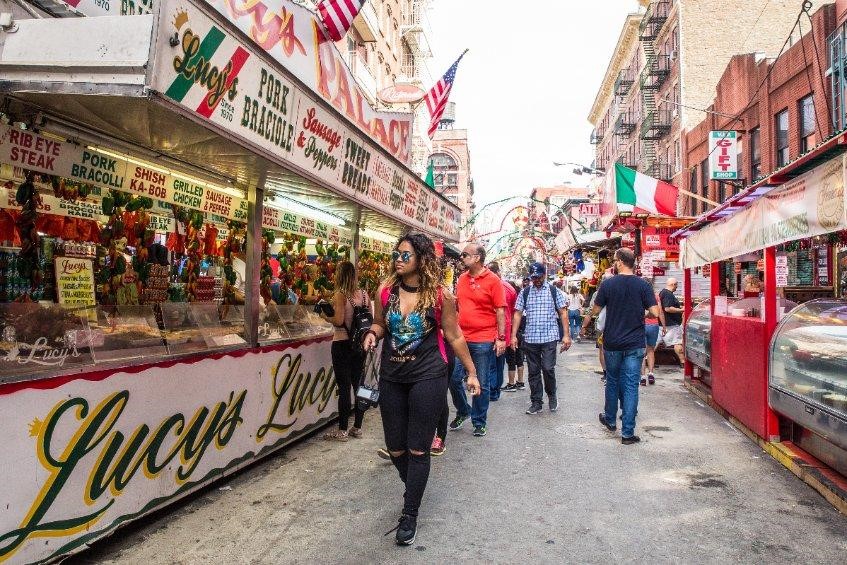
(808, 369)
(698, 340)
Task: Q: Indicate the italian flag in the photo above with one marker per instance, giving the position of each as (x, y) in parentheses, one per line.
(645, 194)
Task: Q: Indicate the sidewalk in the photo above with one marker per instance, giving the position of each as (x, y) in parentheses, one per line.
(553, 488)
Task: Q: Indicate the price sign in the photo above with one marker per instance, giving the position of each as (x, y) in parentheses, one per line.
(75, 281)
(781, 270)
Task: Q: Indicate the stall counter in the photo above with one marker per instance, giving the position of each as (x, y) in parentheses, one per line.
(100, 448)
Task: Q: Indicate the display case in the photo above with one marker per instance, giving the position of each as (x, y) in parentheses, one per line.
(289, 322)
(808, 368)
(698, 336)
(120, 333)
(197, 327)
(42, 339)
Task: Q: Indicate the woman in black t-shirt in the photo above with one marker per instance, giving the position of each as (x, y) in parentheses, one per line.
(413, 311)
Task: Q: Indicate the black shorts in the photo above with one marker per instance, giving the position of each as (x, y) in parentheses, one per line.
(514, 358)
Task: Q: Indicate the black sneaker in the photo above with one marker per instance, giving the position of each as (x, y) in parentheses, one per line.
(535, 409)
(553, 404)
(457, 422)
(480, 431)
(510, 388)
(520, 386)
(610, 427)
(406, 530)
(630, 440)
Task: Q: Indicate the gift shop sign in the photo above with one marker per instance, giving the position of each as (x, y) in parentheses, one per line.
(723, 155)
(75, 281)
(99, 452)
(222, 81)
(812, 204)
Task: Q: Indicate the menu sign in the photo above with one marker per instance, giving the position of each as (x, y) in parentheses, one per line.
(244, 95)
(289, 222)
(781, 270)
(75, 281)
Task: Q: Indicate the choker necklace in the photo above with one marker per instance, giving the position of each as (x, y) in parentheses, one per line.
(407, 288)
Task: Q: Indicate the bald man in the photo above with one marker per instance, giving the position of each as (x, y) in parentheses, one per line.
(673, 318)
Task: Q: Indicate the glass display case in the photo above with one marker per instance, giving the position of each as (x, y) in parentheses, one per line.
(197, 327)
(698, 340)
(121, 333)
(36, 338)
(808, 368)
(290, 322)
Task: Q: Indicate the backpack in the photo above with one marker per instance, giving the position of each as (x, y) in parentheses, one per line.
(522, 327)
(360, 323)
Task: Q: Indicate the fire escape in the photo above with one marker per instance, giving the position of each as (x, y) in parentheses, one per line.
(656, 123)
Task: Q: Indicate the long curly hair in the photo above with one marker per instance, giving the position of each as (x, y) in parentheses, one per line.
(429, 270)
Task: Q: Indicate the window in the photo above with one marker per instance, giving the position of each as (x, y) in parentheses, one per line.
(692, 187)
(755, 155)
(445, 171)
(704, 179)
(736, 187)
(781, 126)
(807, 123)
(677, 155)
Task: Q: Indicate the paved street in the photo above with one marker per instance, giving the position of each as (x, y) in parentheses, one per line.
(552, 488)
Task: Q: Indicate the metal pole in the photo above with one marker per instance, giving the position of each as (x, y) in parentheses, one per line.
(772, 421)
(357, 235)
(687, 307)
(253, 258)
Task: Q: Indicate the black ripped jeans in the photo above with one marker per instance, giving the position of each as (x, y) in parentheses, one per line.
(347, 366)
(410, 413)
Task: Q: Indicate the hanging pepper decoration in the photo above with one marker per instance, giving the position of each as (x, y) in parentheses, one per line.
(28, 198)
(265, 271)
(192, 222)
(230, 247)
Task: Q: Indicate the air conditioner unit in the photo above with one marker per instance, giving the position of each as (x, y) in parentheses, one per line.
(673, 55)
(674, 113)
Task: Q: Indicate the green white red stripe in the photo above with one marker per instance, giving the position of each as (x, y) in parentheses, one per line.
(645, 194)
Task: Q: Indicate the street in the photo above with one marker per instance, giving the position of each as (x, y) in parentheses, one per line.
(551, 488)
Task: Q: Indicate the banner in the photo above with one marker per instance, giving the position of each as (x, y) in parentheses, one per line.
(250, 100)
(723, 155)
(97, 452)
(812, 204)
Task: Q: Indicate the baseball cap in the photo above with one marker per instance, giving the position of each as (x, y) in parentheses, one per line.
(537, 270)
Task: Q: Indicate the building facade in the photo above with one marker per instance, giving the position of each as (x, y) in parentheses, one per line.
(556, 208)
(451, 163)
(665, 66)
(780, 109)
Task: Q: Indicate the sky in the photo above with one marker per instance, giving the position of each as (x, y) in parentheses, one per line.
(525, 88)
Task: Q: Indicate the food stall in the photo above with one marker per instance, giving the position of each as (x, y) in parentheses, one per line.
(178, 188)
(774, 364)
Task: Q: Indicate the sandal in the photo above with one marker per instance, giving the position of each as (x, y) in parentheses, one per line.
(337, 435)
(355, 432)
(651, 379)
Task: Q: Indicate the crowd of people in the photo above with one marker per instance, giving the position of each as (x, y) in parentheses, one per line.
(436, 339)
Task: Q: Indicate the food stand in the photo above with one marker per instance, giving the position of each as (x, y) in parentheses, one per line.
(775, 365)
(152, 173)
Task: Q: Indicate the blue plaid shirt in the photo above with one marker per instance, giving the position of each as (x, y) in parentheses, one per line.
(541, 314)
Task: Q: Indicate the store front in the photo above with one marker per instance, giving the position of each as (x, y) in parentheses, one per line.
(771, 340)
(174, 200)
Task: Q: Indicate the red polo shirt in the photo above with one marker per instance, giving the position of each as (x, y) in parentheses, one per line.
(478, 298)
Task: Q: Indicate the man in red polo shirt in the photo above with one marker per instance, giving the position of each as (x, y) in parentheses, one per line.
(482, 317)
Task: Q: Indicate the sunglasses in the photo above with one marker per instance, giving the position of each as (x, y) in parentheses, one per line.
(466, 255)
(403, 256)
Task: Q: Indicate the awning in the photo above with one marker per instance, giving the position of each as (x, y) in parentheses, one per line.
(833, 146)
(133, 84)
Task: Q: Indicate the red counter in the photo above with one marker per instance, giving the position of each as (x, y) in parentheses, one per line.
(740, 370)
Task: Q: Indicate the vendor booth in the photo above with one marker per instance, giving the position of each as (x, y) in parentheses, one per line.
(770, 343)
(177, 188)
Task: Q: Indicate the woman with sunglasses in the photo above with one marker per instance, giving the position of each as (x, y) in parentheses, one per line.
(415, 313)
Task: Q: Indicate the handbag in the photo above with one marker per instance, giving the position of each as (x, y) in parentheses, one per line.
(367, 393)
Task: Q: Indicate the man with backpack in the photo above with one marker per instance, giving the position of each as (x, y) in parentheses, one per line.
(545, 308)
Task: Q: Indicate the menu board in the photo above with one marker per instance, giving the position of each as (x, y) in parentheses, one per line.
(75, 281)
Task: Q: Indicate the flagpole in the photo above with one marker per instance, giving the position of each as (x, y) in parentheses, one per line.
(698, 197)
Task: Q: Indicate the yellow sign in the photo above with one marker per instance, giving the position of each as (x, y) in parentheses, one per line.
(75, 281)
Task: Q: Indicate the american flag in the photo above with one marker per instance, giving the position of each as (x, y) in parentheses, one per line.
(338, 15)
(436, 98)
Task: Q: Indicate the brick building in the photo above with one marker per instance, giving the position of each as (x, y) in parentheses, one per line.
(562, 207)
(451, 163)
(665, 66)
(785, 118)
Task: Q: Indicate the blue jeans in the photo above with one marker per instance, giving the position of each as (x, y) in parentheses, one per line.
(623, 372)
(495, 375)
(575, 321)
(482, 354)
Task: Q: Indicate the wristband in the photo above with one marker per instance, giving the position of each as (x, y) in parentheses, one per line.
(501, 337)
